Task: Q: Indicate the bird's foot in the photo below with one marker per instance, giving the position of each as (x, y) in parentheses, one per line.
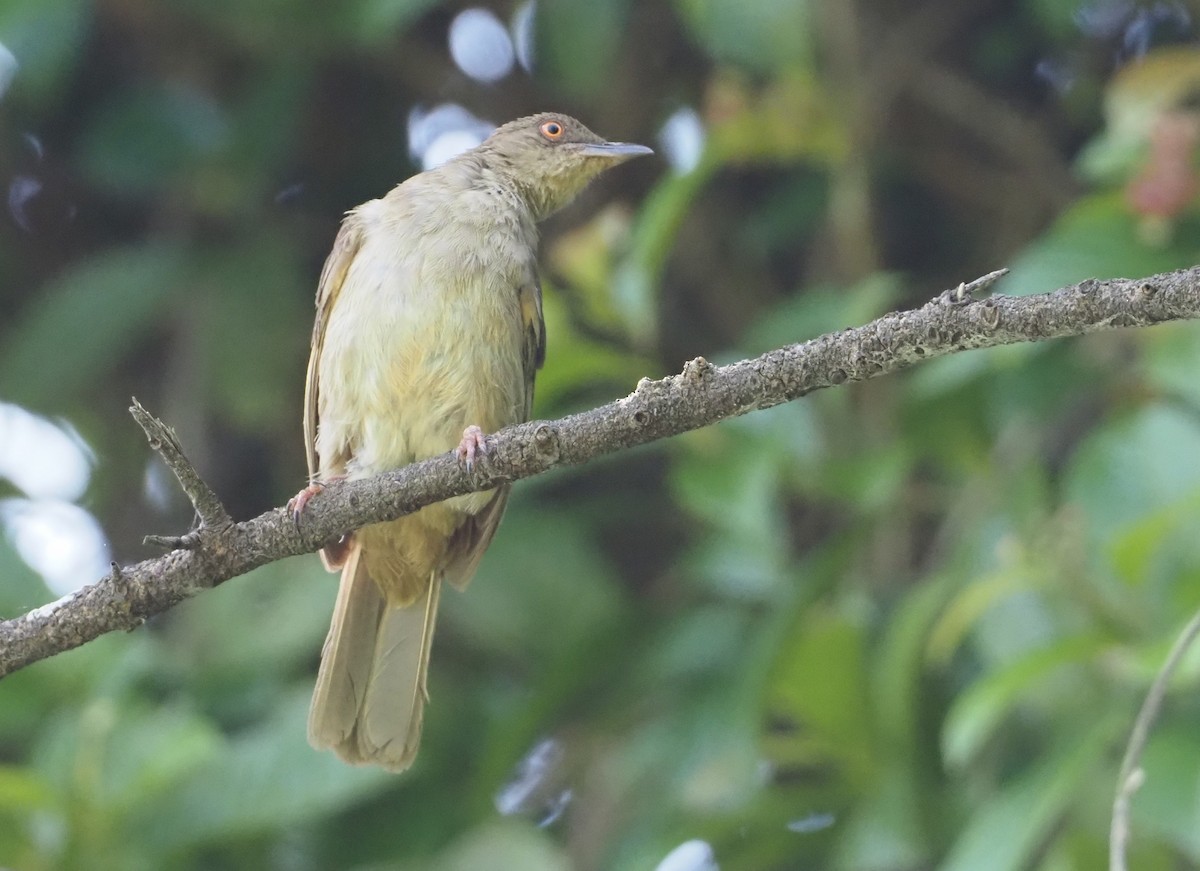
(296, 504)
(473, 443)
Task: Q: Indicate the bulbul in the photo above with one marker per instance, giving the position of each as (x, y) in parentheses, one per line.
(428, 334)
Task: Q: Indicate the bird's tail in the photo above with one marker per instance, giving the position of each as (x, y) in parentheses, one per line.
(370, 693)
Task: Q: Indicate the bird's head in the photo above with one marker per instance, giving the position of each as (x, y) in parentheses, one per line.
(551, 157)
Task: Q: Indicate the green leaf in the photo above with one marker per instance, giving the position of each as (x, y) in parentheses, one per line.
(967, 606)
(762, 35)
(217, 639)
(898, 663)
(1129, 476)
(697, 644)
(577, 364)
(732, 478)
(579, 43)
(871, 480)
(545, 570)
(25, 800)
(978, 713)
(1160, 543)
(144, 140)
(1171, 359)
(820, 680)
(249, 322)
(1096, 238)
(885, 830)
(635, 284)
(22, 790)
(1010, 826)
(1168, 803)
(83, 323)
(820, 310)
(267, 776)
(149, 752)
(936, 378)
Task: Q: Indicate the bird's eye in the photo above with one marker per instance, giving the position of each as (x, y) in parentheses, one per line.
(552, 130)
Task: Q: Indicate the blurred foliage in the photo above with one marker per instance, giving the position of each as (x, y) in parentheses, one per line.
(898, 625)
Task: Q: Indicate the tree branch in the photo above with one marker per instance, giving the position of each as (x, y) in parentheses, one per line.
(209, 509)
(702, 394)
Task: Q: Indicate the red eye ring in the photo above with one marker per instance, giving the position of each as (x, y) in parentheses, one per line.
(552, 130)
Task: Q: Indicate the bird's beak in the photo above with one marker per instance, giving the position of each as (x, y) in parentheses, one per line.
(615, 151)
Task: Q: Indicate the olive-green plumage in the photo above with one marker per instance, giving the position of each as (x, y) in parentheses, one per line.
(429, 324)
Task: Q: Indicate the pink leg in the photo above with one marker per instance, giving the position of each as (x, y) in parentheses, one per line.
(473, 443)
(297, 503)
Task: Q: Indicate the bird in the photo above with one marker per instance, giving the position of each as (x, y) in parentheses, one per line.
(428, 335)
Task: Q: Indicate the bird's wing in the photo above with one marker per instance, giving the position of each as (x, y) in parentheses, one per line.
(333, 275)
(472, 538)
(476, 533)
(534, 347)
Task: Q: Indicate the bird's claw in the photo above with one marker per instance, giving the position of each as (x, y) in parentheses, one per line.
(473, 443)
(295, 505)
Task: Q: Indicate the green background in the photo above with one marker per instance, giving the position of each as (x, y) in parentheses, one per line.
(897, 625)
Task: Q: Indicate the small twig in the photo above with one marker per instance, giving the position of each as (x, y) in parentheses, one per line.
(1132, 776)
(984, 282)
(172, 542)
(166, 444)
(967, 291)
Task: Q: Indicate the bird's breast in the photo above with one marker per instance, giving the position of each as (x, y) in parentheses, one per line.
(424, 340)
